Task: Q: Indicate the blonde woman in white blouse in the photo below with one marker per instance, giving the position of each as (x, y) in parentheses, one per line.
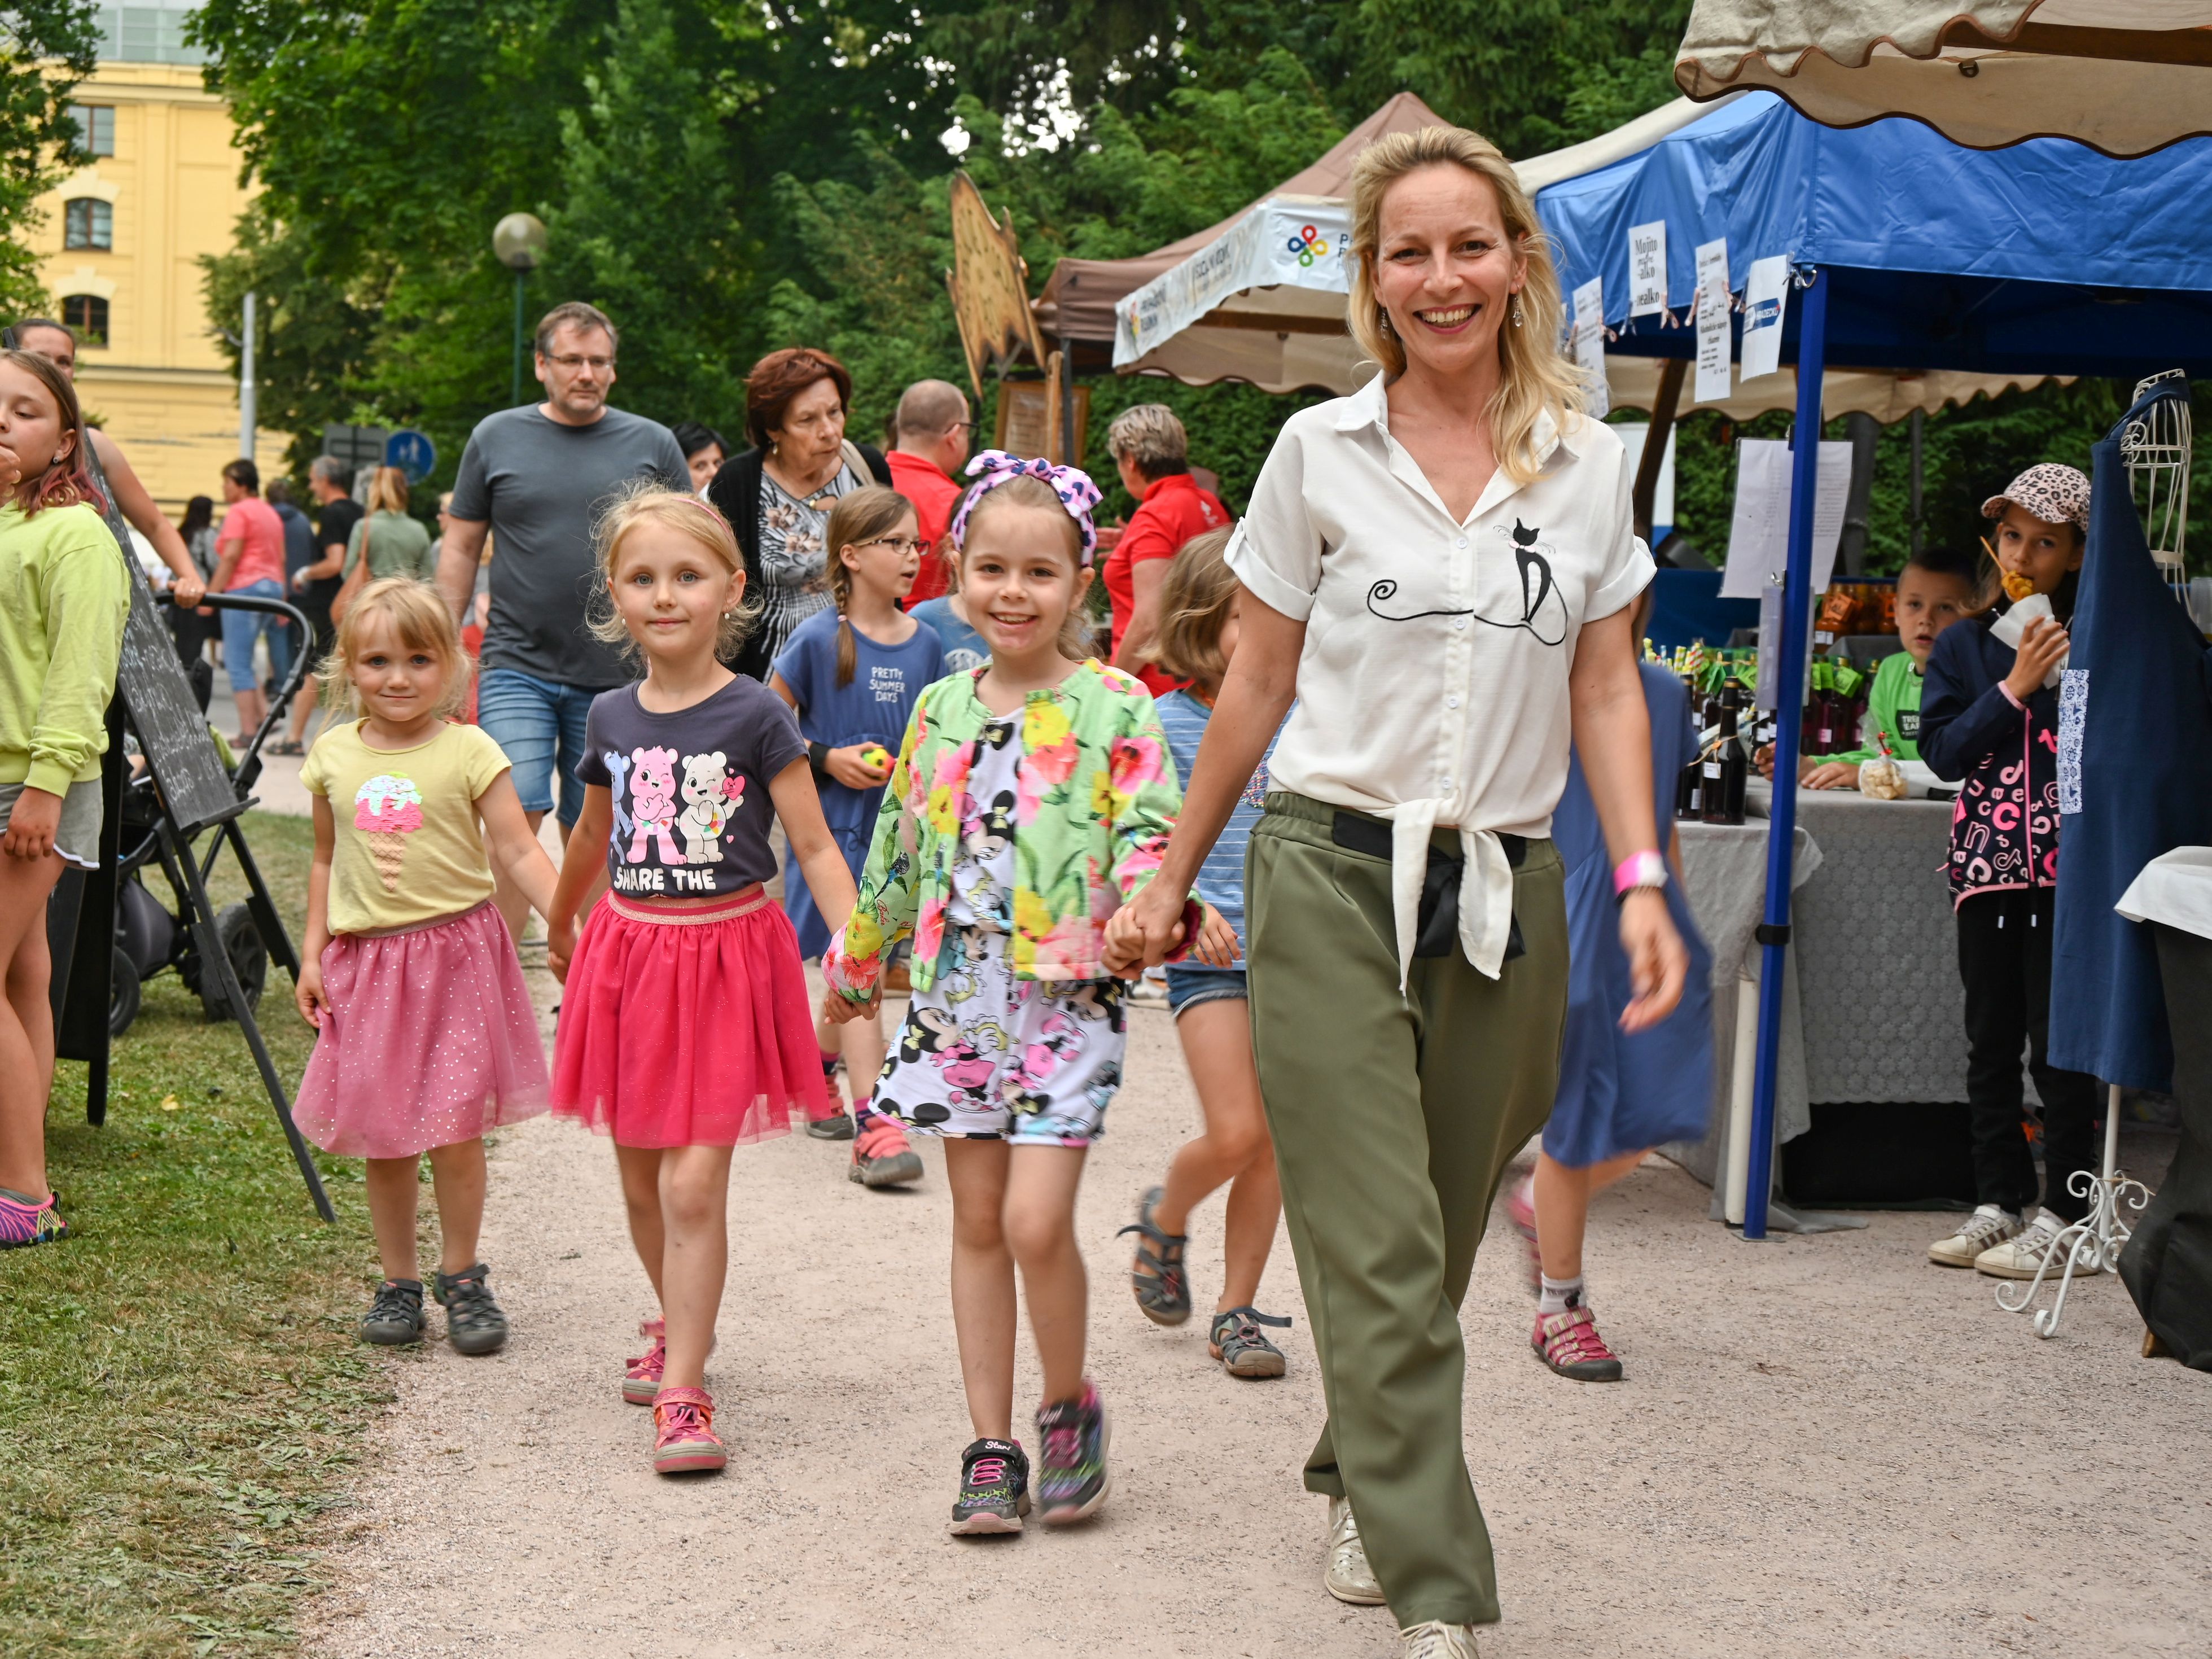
(1438, 571)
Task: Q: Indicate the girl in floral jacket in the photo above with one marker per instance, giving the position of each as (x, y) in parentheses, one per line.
(1030, 799)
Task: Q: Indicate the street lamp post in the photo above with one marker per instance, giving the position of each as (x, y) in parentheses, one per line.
(518, 242)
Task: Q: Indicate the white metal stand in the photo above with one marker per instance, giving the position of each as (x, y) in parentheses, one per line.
(2092, 1244)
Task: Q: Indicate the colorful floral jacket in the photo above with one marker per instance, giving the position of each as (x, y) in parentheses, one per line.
(2005, 830)
(1096, 798)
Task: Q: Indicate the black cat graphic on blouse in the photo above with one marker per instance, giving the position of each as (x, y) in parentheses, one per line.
(1543, 610)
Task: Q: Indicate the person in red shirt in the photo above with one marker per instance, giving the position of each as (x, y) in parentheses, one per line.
(250, 559)
(933, 430)
(1150, 450)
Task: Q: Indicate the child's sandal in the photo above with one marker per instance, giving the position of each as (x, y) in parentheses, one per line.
(1236, 1341)
(1157, 1277)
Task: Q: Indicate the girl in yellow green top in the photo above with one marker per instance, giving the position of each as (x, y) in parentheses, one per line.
(1030, 798)
(62, 601)
(425, 1037)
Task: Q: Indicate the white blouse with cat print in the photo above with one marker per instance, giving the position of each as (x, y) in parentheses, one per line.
(1432, 685)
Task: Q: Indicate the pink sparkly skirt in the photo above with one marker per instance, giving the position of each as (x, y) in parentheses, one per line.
(687, 1025)
(429, 1040)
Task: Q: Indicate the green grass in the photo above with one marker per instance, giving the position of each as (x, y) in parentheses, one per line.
(181, 1393)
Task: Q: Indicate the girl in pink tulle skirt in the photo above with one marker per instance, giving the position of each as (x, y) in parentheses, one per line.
(425, 1037)
(685, 1027)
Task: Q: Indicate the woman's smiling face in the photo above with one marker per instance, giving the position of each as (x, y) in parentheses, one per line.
(1445, 268)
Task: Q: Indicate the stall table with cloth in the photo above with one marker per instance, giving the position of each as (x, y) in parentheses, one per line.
(1870, 1097)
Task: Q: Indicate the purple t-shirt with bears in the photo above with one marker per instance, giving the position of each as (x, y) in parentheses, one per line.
(690, 789)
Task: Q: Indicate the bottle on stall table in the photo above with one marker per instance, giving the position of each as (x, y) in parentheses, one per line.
(1689, 799)
(1724, 769)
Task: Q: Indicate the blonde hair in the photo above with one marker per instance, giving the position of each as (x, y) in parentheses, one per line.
(1194, 599)
(859, 516)
(1538, 377)
(647, 502)
(1150, 437)
(388, 490)
(1076, 638)
(420, 619)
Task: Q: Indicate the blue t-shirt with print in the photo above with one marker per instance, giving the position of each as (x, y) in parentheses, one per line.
(1221, 878)
(964, 648)
(887, 681)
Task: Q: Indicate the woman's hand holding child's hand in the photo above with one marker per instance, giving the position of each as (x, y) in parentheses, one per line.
(307, 991)
(838, 1009)
(1217, 946)
(1144, 931)
(2042, 643)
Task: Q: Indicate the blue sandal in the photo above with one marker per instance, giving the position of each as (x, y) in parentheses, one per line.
(1158, 1276)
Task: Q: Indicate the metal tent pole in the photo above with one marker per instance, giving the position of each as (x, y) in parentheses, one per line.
(1788, 698)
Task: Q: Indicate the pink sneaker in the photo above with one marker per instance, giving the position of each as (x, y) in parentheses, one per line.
(684, 1420)
(23, 1224)
(642, 1381)
(1569, 1343)
(881, 1157)
(1521, 1206)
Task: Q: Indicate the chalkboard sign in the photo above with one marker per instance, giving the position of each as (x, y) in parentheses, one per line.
(172, 732)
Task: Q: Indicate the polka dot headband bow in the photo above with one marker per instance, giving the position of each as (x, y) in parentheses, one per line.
(1071, 483)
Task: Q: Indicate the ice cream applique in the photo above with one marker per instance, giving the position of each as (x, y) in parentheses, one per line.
(388, 809)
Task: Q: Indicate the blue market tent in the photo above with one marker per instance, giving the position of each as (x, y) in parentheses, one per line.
(1911, 252)
(2044, 258)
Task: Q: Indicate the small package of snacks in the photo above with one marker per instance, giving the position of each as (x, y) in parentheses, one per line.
(1882, 779)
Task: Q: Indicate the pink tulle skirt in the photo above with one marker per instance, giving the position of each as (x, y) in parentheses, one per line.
(687, 1025)
(429, 1040)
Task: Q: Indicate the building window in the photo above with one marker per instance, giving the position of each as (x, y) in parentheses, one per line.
(88, 222)
(96, 128)
(88, 314)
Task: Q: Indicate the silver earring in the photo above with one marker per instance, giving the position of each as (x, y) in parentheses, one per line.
(1516, 313)
(1383, 319)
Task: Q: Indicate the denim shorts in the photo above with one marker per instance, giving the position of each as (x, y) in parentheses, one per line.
(1189, 987)
(242, 627)
(537, 724)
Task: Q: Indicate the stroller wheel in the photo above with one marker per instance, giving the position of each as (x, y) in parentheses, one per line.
(123, 992)
(249, 959)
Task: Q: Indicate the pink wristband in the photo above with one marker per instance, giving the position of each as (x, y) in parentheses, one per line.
(1644, 869)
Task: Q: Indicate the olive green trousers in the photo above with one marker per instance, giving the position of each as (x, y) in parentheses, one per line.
(1394, 1116)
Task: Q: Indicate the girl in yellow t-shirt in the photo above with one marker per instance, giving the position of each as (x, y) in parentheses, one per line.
(427, 1036)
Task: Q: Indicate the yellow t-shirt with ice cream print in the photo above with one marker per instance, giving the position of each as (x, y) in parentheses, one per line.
(409, 849)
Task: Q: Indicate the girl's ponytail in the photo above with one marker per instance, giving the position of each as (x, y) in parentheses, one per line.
(858, 517)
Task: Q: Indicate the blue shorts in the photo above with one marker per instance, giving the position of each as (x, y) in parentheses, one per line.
(242, 627)
(1189, 987)
(537, 723)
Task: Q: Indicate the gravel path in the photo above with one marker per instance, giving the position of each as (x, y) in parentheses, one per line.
(1824, 1446)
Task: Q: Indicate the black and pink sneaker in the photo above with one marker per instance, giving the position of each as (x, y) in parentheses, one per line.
(1072, 1477)
(994, 1489)
(25, 1225)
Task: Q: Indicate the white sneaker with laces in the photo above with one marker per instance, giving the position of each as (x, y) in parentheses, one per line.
(1985, 1229)
(1437, 1640)
(2023, 1257)
(1349, 1578)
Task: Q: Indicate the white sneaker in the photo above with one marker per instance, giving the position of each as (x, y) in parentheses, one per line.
(1987, 1227)
(1349, 1578)
(2023, 1256)
(1437, 1640)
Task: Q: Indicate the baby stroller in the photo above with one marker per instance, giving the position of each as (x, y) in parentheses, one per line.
(151, 936)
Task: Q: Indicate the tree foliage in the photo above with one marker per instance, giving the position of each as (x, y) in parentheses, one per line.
(46, 46)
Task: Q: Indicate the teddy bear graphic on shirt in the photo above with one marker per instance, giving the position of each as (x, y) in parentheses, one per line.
(653, 803)
(711, 797)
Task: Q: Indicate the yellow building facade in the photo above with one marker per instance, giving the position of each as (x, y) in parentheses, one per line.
(121, 244)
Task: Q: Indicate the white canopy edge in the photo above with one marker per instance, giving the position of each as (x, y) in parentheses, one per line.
(1296, 239)
(2123, 77)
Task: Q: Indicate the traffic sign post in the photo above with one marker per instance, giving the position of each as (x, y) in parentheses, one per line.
(412, 452)
(356, 446)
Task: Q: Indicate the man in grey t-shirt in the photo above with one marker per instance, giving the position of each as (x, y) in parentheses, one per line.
(534, 477)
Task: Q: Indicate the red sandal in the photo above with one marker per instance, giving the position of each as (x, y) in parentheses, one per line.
(1569, 1343)
(685, 1441)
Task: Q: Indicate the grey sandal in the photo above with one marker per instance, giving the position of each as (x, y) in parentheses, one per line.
(1158, 1276)
(1238, 1343)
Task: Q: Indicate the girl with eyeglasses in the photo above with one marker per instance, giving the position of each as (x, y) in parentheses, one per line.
(853, 673)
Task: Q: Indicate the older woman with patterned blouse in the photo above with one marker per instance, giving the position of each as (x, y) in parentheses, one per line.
(777, 494)
(1438, 570)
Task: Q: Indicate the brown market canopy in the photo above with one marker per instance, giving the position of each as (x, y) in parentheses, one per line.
(2124, 76)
